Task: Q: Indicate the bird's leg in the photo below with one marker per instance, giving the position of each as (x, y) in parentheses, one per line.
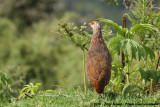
(99, 97)
(102, 95)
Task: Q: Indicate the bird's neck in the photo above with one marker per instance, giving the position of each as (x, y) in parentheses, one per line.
(96, 39)
(97, 33)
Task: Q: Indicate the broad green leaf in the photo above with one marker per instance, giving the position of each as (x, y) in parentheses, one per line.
(21, 95)
(128, 88)
(23, 90)
(149, 51)
(154, 75)
(119, 29)
(119, 46)
(134, 49)
(139, 52)
(31, 88)
(132, 20)
(147, 27)
(143, 74)
(113, 41)
(128, 46)
(124, 47)
(148, 74)
(144, 55)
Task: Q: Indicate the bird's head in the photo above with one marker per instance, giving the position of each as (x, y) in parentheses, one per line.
(94, 24)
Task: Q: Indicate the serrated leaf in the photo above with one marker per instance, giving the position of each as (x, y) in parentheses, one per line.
(143, 74)
(119, 29)
(139, 52)
(119, 46)
(128, 47)
(148, 74)
(154, 75)
(148, 27)
(124, 47)
(113, 41)
(149, 51)
(134, 49)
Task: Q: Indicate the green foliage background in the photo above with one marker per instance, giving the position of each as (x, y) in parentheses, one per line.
(31, 49)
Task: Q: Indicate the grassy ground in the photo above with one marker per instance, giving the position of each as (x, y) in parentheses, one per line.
(65, 98)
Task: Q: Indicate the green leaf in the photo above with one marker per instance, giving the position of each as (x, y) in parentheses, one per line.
(139, 49)
(128, 88)
(119, 29)
(3, 78)
(119, 46)
(124, 47)
(147, 27)
(31, 88)
(21, 95)
(154, 75)
(148, 74)
(134, 49)
(149, 51)
(1, 87)
(113, 41)
(143, 74)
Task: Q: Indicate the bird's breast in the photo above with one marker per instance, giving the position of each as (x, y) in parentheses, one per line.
(96, 43)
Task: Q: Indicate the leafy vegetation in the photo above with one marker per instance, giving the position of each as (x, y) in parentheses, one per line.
(124, 40)
(32, 89)
(75, 97)
(37, 47)
(5, 87)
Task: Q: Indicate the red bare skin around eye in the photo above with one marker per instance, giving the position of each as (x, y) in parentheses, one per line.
(91, 23)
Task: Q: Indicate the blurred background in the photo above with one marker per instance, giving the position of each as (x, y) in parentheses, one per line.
(31, 49)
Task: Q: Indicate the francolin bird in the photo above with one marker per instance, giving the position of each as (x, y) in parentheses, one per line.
(98, 61)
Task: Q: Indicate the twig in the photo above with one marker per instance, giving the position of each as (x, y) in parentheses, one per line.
(157, 8)
(56, 32)
(29, 95)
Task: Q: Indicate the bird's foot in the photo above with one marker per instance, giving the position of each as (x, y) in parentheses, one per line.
(101, 96)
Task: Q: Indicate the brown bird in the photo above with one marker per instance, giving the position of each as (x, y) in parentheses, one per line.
(98, 60)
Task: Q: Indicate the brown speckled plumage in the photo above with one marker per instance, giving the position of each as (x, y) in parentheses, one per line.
(98, 60)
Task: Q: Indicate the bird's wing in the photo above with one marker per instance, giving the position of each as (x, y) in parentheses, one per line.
(96, 68)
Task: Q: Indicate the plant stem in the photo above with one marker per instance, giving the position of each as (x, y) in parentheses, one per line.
(150, 91)
(84, 73)
(124, 26)
(127, 70)
(122, 53)
(158, 61)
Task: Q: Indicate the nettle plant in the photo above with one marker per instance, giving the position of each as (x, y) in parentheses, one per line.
(145, 12)
(79, 37)
(123, 40)
(131, 49)
(145, 28)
